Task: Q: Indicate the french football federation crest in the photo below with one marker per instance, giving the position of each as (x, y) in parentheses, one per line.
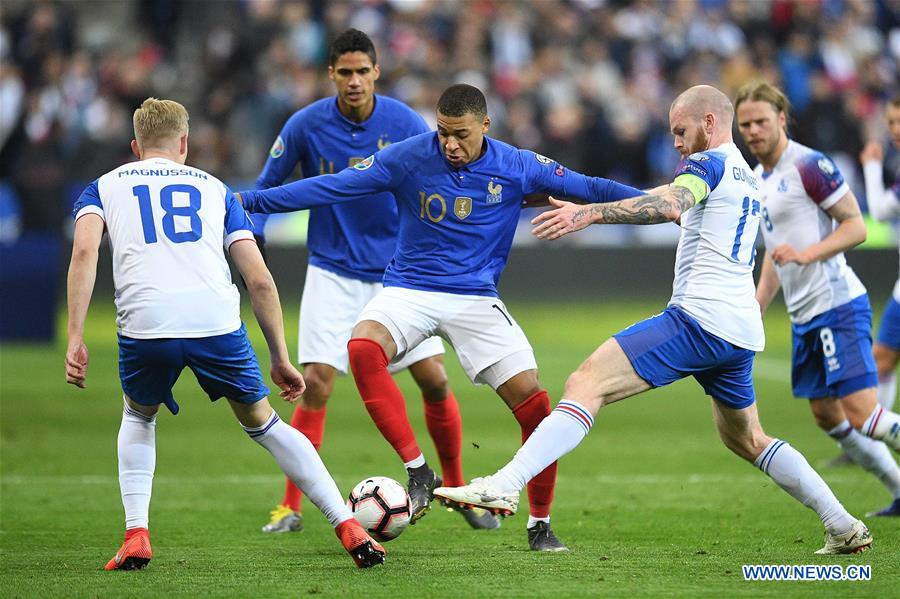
(782, 187)
(495, 193)
(365, 163)
(542, 159)
(462, 207)
(383, 141)
(277, 148)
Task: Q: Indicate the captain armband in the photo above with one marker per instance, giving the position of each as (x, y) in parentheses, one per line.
(693, 184)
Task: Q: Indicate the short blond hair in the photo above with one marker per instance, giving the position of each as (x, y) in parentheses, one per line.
(159, 121)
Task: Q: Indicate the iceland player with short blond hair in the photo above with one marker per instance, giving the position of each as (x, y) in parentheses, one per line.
(168, 225)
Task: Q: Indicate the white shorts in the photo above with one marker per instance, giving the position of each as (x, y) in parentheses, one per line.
(329, 309)
(491, 346)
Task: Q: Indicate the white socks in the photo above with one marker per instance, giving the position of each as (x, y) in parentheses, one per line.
(887, 391)
(790, 471)
(301, 463)
(873, 456)
(884, 426)
(415, 462)
(137, 461)
(556, 435)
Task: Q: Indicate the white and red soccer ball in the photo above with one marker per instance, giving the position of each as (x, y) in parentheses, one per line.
(382, 506)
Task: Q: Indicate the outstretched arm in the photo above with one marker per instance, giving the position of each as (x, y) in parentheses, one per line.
(267, 308)
(79, 288)
(663, 205)
(354, 183)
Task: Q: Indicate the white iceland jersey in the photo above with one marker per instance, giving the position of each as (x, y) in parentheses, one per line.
(795, 198)
(167, 224)
(714, 261)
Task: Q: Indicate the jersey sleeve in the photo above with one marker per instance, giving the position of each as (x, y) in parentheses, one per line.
(88, 202)
(822, 180)
(237, 223)
(545, 175)
(377, 173)
(699, 173)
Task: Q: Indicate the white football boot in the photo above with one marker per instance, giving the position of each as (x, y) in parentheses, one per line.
(480, 493)
(855, 540)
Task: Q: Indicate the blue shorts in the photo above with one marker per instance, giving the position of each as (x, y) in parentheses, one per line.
(832, 355)
(889, 331)
(672, 345)
(225, 366)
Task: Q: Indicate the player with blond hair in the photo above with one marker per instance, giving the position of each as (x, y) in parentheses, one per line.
(177, 308)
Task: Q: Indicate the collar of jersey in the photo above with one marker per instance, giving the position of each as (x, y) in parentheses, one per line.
(351, 125)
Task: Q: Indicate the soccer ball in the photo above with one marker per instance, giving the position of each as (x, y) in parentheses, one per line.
(382, 506)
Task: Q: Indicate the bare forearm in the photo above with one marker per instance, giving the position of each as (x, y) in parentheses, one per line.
(267, 308)
(847, 235)
(662, 205)
(79, 288)
(768, 285)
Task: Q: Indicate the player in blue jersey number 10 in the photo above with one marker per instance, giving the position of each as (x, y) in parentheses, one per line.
(459, 195)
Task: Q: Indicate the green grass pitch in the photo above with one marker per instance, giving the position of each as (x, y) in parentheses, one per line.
(651, 504)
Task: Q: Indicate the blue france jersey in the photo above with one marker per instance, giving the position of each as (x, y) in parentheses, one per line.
(352, 240)
(456, 225)
(167, 225)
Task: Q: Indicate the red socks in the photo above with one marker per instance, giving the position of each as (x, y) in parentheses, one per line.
(312, 424)
(382, 396)
(445, 427)
(529, 413)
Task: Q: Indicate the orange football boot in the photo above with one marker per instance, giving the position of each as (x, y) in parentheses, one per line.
(135, 552)
(364, 550)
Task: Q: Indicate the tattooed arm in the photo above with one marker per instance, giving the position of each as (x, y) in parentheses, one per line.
(850, 232)
(662, 205)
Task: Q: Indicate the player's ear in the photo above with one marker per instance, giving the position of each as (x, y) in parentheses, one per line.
(135, 148)
(331, 72)
(377, 71)
(183, 145)
(486, 124)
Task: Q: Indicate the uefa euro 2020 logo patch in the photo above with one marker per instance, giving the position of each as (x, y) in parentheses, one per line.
(364, 164)
(277, 148)
(542, 159)
(826, 166)
(495, 193)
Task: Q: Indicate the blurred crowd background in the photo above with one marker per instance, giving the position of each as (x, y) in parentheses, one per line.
(587, 82)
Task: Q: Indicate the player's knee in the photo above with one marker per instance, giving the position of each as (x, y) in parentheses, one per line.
(583, 388)
(436, 388)
(744, 444)
(318, 390)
